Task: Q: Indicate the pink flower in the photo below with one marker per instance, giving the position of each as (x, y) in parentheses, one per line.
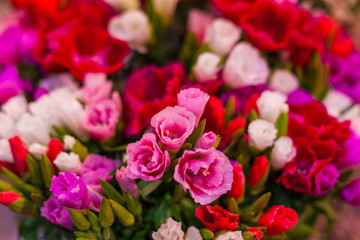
(173, 125)
(194, 100)
(127, 184)
(206, 140)
(146, 160)
(207, 174)
(198, 23)
(100, 118)
(96, 88)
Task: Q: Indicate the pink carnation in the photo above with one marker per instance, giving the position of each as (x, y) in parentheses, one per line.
(206, 140)
(127, 184)
(96, 88)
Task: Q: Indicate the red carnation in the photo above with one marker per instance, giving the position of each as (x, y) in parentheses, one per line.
(55, 147)
(217, 218)
(258, 170)
(278, 219)
(238, 185)
(257, 233)
(9, 197)
(19, 152)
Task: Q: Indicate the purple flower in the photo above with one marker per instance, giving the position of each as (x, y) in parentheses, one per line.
(325, 179)
(127, 184)
(194, 100)
(207, 174)
(70, 190)
(95, 167)
(299, 97)
(173, 125)
(10, 83)
(350, 157)
(351, 193)
(146, 160)
(206, 140)
(55, 213)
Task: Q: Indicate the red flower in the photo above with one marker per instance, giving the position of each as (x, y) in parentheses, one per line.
(9, 166)
(258, 170)
(251, 104)
(55, 147)
(8, 197)
(148, 91)
(217, 218)
(267, 24)
(256, 232)
(232, 8)
(278, 219)
(238, 185)
(19, 152)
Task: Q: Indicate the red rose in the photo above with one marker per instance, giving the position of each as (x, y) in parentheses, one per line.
(8, 197)
(232, 8)
(256, 232)
(217, 218)
(278, 219)
(267, 24)
(55, 147)
(258, 170)
(19, 152)
(238, 185)
(149, 90)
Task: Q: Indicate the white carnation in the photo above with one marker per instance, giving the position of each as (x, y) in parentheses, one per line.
(15, 106)
(193, 234)
(69, 142)
(261, 134)
(270, 105)
(230, 236)
(206, 67)
(37, 149)
(5, 151)
(33, 129)
(7, 129)
(284, 81)
(68, 162)
(336, 102)
(45, 108)
(282, 153)
(169, 230)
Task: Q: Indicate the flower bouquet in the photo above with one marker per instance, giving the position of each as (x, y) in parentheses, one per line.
(176, 119)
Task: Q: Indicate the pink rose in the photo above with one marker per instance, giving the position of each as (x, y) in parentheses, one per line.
(207, 174)
(206, 140)
(127, 184)
(146, 160)
(96, 88)
(194, 100)
(173, 125)
(100, 118)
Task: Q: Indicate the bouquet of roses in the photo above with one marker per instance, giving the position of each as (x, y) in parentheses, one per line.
(176, 119)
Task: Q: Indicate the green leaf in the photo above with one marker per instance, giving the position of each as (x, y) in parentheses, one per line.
(253, 115)
(22, 205)
(34, 170)
(217, 142)
(60, 131)
(19, 184)
(148, 187)
(106, 214)
(260, 203)
(84, 235)
(79, 220)
(282, 125)
(47, 171)
(233, 206)
(124, 216)
(301, 231)
(133, 204)
(80, 150)
(197, 133)
(5, 187)
(111, 192)
(174, 211)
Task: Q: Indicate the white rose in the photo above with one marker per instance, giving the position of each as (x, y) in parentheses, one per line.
(206, 67)
(271, 104)
(5, 151)
(222, 35)
(336, 102)
(165, 8)
(7, 129)
(284, 81)
(282, 153)
(45, 108)
(15, 106)
(69, 142)
(124, 4)
(68, 162)
(169, 230)
(37, 149)
(261, 134)
(230, 236)
(133, 27)
(193, 234)
(245, 67)
(33, 129)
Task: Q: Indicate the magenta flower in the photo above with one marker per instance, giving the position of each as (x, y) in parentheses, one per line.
(351, 193)
(325, 179)
(55, 213)
(70, 190)
(206, 140)
(207, 174)
(10, 83)
(146, 160)
(127, 184)
(100, 119)
(95, 167)
(194, 100)
(173, 125)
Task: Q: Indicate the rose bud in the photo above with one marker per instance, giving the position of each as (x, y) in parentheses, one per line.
(283, 81)
(19, 152)
(9, 197)
(217, 218)
(238, 185)
(206, 67)
(278, 219)
(283, 152)
(259, 171)
(351, 193)
(261, 134)
(55, 147)
(270, 105)
(257, 233)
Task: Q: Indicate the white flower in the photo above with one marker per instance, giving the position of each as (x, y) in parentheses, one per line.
(261, 134)
(222, 35)
(33, 129)
(169, 230)
(68, 162)
(69, 142)
(7, 129)
(133, 27)
(37, 149)
(5, 151)
(284, 81)
(15, 106)
(230, 236)
(193, 234)
(165, 8)
(336, 102)
(282, 153)
(206, 67)
(124, 4)
(271, 104)
(45, 108)
(245, 67)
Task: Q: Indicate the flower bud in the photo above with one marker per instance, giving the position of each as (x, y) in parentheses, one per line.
(270, 105)
(19, 152)
(55, 147)
(127, 184)
(9, 197)
(206, 67)
(222, 35)
(261, 134)
(283, 81)
(238, 186)
(68, 162)
(258, 171)
(124, 216)
(206, 140)
(257, 233)
(282, 153)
